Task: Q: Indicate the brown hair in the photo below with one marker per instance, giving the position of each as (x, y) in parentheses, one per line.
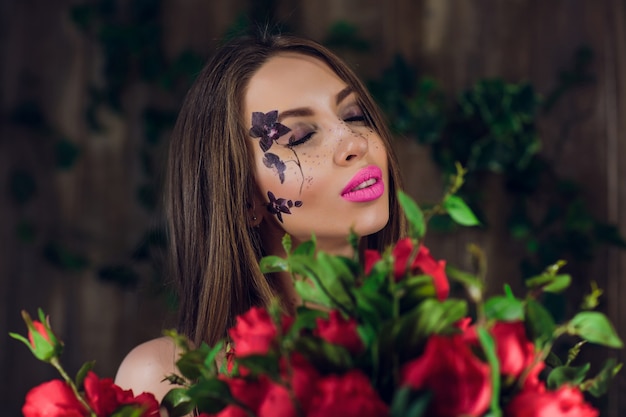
(211, 182)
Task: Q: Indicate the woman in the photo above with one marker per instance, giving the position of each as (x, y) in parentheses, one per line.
(275, 136)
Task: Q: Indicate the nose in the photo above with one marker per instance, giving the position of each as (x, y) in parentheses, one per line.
(351, 146)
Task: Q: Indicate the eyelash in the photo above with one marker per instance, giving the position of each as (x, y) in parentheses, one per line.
(297, 142)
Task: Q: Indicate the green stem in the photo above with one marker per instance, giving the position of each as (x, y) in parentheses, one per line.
(55, 362)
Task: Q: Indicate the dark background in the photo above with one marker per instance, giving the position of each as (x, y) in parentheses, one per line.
(530, 94)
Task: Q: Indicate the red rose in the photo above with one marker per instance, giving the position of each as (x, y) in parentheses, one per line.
(348, 395)
(249, 392)
(339, 331)
(371, 257)
(536, 401)
(147, 401)
(104, 397)
(515, 352)
(53, 399)
(278, 402)
(255, 332)
(423, 263)
(459, 381)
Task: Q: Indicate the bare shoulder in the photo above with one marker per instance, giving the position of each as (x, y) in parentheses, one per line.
(145, 367)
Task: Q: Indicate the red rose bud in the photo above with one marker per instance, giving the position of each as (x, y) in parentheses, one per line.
(515, 352)
(423, 263)
(459, 381)
(347, 395)
(536, 401)
(339, 331)
(53, 399)
(41, 340)
(255, 332)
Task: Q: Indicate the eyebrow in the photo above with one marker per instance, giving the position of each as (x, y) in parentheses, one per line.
(305, 111)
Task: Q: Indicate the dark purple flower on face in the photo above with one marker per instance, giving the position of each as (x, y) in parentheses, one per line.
(278, 206)
(266, 127)
(273, 161)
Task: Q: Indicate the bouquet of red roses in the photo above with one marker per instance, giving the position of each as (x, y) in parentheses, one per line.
(377, 336)
(380, 337)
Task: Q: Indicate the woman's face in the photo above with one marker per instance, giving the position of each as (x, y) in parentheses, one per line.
(319, 166)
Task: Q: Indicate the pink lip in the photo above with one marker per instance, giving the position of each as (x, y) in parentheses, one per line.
(368, 193)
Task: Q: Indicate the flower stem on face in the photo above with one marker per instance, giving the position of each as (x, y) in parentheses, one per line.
(297, 162)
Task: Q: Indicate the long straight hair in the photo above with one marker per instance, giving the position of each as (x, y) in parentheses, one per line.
(215, 252)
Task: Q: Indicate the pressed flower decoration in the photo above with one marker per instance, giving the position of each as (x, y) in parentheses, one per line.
(278, 206)
(273, 161)
(266, 127)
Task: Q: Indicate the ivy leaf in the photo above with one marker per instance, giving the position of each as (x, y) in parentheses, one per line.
(413, 214)
(572, 375)
(459, 211)
(594, 327)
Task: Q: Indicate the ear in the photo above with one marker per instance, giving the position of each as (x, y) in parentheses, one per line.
(255, 211)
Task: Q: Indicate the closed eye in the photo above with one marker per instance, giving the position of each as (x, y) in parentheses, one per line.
(357, 118)
(295, 142)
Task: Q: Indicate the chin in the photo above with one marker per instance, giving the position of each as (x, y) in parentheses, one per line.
(371, 225)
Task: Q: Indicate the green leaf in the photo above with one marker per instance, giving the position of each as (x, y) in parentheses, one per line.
(325, 357)
(558, 284)
(82, 373)
(261, 364)
(549, 282)
(178, 402)
(429, 317)
(287, 243)
(210, 396)
(540, 322)
(273, 263)
(305, 318)
(327, 278)
(409, 403)
(413, 214)
(459, 211)
(504, 308)
(594, 327)
(306, 248)
(572, 375)
(195, 363)
(129, 411)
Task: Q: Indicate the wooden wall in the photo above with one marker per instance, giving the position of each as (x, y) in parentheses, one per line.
(92, 208)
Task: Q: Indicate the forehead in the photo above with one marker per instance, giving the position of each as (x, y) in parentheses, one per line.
(290, 80)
